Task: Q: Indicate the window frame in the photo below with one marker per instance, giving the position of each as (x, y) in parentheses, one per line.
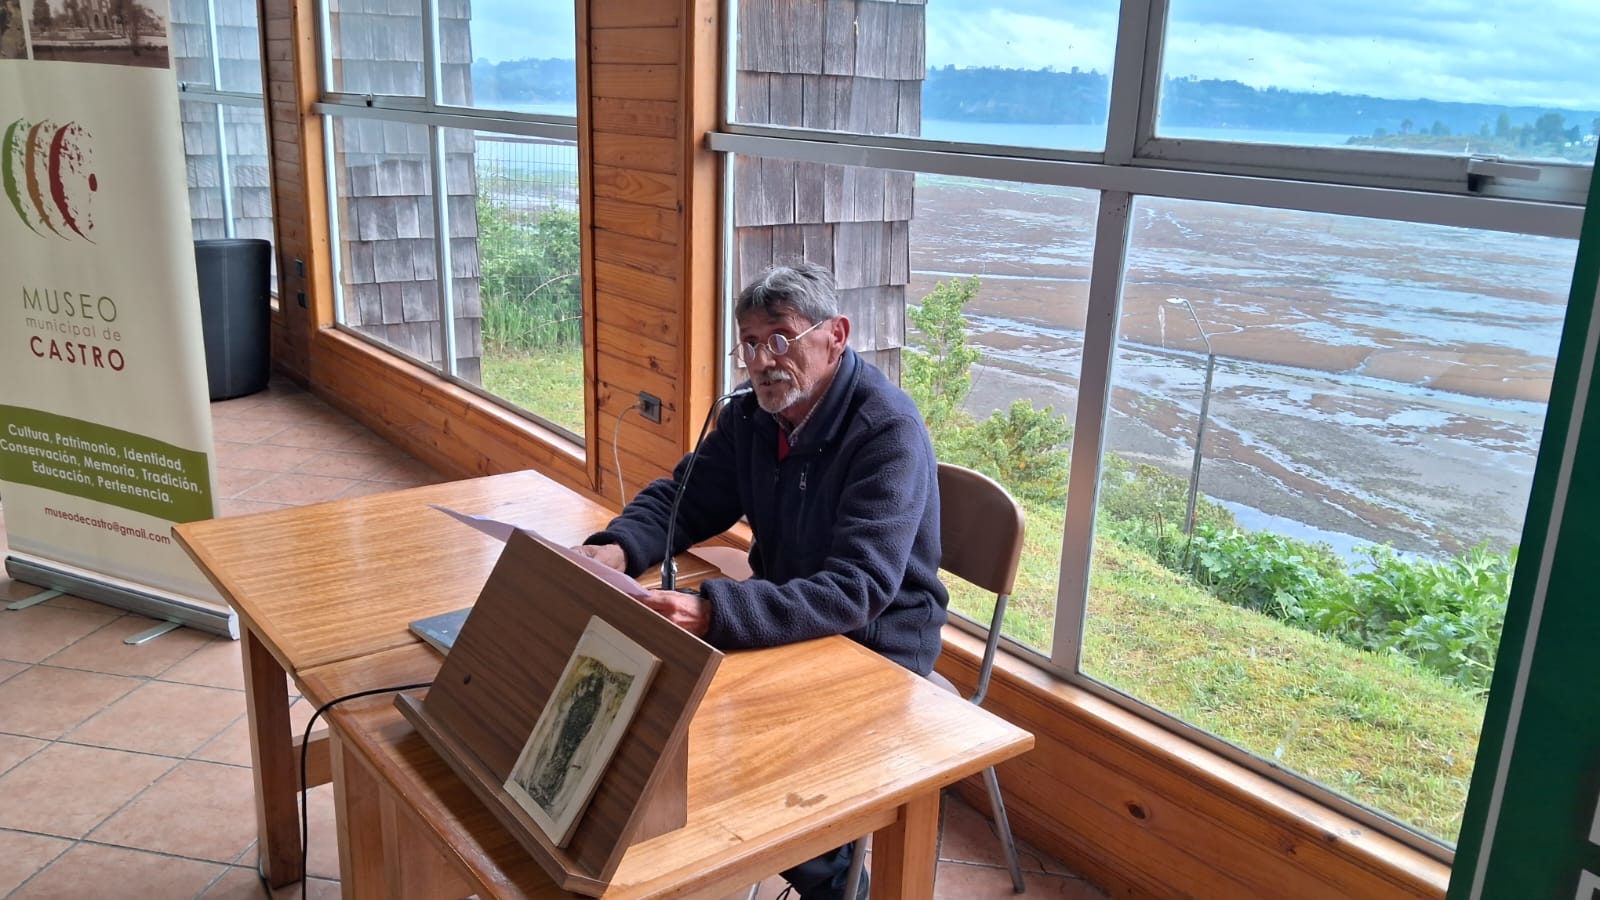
(1479, 193)
(218, 98)
(426, 111)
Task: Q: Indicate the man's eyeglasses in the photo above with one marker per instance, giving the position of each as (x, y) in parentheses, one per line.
(777, 345)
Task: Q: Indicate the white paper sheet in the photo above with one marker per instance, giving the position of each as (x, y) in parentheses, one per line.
(502, 531)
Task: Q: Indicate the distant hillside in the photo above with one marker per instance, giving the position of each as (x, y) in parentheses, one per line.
(524, 81)
(1076, 97)
(1045, 96)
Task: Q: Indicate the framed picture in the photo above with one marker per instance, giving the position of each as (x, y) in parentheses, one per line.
(594, 700)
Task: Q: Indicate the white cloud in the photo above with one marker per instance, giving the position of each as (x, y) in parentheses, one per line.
(1018, 40)
(1516, 52)
(523, 29)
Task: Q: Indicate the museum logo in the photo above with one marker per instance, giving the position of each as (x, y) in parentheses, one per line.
(46, 172)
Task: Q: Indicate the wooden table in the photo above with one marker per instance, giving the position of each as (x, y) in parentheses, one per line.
(794, 750)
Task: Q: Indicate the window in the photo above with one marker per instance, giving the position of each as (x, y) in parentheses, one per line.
(216, 52)
(1261, 340)
(453, 149)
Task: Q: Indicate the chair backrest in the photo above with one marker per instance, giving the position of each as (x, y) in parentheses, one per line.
(980, 529)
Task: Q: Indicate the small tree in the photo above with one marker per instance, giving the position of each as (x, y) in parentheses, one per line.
(1022, 448)
(940, 376)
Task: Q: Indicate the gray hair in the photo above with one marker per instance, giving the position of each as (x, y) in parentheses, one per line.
(806, 288)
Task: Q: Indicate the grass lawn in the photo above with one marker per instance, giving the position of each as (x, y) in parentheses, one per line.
(1377, 728)
(547, 383)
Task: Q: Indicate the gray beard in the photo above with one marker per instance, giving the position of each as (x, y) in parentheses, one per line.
(791, 395)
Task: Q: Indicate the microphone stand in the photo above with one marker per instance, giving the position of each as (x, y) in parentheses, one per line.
(669, 568)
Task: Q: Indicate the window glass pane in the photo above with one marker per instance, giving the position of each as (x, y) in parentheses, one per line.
(1032, 74)
(972, 294)
(249, 173)
(376, 47)
(238, 45)
(513, 55)
(202, 159)
(1015, 259)
(1507, 79)
(190, 36)
(389, 288)
(519, 322)
(1355, 407)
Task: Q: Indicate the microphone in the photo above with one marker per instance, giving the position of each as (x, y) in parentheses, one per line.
(669, 569)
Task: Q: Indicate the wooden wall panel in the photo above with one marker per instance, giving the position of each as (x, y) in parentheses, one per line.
(636, 46)
(634, 186)
(649, 118)
(632, 81)
(445, 426)
(628, 284)
(635, 15)
(622, 343)
(631, 151)
(639, 220)
(653, 257)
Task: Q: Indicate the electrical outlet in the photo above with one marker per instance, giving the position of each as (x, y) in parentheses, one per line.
(650, 407)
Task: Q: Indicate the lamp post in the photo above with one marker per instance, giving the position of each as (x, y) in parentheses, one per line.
(1205, 405)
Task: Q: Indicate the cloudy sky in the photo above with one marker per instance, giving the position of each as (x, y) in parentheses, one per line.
(1535, 52)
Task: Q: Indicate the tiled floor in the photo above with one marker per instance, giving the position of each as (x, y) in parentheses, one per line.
(124, 770)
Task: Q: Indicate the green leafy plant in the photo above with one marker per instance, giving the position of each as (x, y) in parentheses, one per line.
(529, 267)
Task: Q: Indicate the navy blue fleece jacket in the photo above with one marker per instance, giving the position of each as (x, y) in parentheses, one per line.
(846, 526)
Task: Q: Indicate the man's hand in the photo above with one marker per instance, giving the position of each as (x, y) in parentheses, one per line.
(690, 612)
(604, 554)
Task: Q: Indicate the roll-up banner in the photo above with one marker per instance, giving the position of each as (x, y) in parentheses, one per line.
(105, 425)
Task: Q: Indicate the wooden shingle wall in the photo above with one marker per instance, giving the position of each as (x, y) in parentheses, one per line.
(237, 60)
(833, 65)
(387, 226)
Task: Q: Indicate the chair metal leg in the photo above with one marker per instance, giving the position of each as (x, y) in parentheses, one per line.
(858, 855)
(1003, 826)
(754, 890)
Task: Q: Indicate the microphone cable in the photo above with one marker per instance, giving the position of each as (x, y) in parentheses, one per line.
(305, 813)
(669, 568)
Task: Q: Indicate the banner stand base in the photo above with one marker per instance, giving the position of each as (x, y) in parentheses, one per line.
(35, 600)
(164, 608)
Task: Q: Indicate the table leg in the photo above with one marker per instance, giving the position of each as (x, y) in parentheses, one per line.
(266, 698)
(359, 812)
(384, 852)
(905, 855)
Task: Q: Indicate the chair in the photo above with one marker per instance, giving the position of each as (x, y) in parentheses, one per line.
(980, 532)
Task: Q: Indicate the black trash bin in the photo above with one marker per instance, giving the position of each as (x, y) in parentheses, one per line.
(235, 314)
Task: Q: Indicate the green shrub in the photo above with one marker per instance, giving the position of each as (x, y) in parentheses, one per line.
(1144, 507)
(1263, 570)
(1446, 614)
(529, 265)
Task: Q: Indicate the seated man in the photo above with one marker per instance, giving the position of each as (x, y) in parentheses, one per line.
(832, 466)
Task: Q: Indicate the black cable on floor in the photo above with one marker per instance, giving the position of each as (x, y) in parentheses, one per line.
(305, 743)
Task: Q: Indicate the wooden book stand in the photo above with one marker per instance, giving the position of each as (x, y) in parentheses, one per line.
(504, 668)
